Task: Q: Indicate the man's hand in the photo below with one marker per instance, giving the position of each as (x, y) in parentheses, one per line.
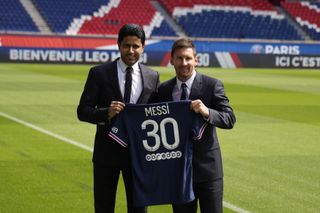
(199, 107)
(115, 108)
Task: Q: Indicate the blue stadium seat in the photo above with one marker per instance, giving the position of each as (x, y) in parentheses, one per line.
(163, 30)
(15, 18)
(60, 13)
(232, 24)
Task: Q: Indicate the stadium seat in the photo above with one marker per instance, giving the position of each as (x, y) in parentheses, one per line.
(59, 14)
(230, 19)
(307, 15)
(234, 19)
(127, 11)
(15, 18)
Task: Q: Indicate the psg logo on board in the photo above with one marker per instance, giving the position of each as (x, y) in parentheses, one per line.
(257, 49)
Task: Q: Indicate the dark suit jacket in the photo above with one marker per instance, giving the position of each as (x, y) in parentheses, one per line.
(101, 88)
(207, 163)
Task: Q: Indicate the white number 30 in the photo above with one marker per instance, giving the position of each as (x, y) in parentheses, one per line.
(154, 133)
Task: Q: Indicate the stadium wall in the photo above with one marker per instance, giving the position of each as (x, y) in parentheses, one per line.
(225, 54)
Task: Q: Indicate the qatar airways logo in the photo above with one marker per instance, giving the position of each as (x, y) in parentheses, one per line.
(275, 49)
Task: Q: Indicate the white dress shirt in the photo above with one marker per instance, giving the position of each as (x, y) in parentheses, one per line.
(176, 93)
(136, 88)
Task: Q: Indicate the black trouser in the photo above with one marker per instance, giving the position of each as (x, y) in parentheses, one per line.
(209, 195)
(105, 187)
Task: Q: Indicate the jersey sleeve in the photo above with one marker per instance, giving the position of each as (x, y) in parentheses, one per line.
(118, 131)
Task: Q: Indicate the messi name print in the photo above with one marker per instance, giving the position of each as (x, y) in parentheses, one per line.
(160, 138)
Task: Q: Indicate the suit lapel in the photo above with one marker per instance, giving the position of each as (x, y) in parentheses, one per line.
(114, 79)
(146, 84)
(196, 87)
(169, 91)
(165, 90)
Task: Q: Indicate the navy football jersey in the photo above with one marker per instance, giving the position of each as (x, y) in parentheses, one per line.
(159, 137)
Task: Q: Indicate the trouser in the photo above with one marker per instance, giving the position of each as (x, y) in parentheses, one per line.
(105, 187)
(210, 197)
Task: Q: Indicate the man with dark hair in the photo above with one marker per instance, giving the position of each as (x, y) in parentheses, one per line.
(107, 89)
(132, 30)
(209, 100)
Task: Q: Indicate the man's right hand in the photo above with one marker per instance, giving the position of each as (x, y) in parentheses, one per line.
(115, 108)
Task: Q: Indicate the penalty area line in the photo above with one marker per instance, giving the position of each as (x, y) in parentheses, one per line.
(85, 147)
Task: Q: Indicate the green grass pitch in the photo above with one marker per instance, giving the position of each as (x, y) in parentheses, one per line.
(271, 158)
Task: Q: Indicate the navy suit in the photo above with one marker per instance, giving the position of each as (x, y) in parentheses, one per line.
(207, 162)
(109, 158)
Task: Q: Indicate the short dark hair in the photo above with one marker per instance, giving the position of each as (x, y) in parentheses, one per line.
(131, 30)
(183, 43)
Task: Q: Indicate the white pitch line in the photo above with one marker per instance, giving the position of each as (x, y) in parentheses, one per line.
(47, 132)
(234, 208)
(75, 143)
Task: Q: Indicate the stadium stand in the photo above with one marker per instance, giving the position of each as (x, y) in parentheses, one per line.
(307, 15)
(15, 18)
(101, 17)
(127, 11)
(231, 19)
(206, 19)
(59, 14)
